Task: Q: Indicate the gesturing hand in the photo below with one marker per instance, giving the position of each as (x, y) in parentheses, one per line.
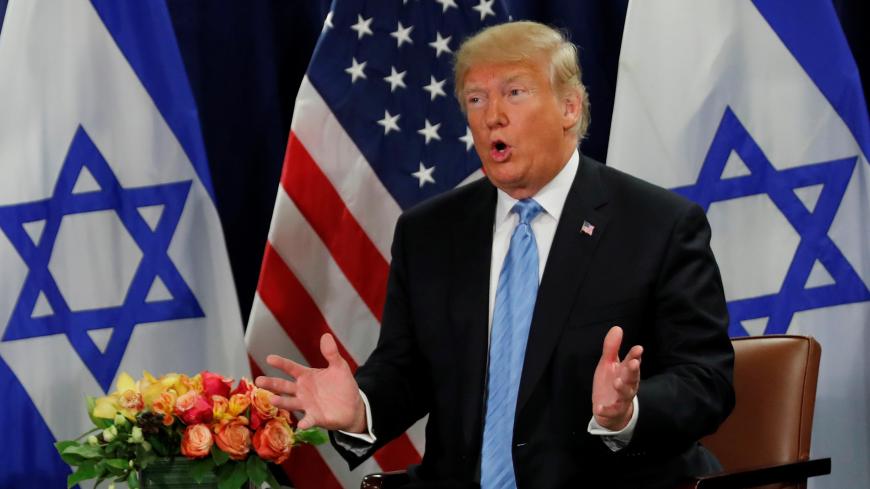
(615, 383)
(329, 396)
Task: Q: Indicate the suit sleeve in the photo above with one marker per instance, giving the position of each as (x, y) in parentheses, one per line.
(686, 390)
(394, 379)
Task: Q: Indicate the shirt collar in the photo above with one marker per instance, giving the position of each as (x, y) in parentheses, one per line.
(551, 197)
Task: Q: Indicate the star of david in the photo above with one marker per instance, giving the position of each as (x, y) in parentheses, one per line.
(811, 225)
(152, 239)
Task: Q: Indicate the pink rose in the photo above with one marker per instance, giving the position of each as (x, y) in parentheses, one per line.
(274, 440)
(196, 441)
(215, 385)
(193, 408)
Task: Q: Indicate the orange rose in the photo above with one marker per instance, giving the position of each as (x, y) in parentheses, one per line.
(196, 441)
(165, 405)
(193, 408)
(262, 409)
(274, 440)
(234, 438)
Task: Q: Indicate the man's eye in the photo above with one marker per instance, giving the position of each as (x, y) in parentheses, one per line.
(473, 100)
(516, 91)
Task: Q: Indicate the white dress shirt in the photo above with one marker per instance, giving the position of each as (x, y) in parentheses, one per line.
(552, 199)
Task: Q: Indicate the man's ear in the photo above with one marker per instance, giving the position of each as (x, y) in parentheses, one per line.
(572, 108)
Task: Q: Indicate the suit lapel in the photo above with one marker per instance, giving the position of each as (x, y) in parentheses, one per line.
(472, 250)
(570, 255)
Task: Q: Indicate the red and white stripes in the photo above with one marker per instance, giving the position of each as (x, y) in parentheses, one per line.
(325, 271)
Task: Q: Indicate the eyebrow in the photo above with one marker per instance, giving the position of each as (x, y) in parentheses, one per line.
(511, 79)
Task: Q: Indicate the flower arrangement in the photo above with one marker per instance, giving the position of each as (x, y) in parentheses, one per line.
(230, 432)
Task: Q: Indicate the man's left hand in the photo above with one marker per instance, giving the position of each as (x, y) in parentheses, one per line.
(615, 383)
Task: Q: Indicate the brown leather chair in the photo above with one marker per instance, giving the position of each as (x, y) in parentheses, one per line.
(766, 440)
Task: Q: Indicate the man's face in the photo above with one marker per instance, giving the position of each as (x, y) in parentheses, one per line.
(519, 125)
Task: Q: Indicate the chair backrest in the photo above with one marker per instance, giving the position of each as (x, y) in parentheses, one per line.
(775, 386)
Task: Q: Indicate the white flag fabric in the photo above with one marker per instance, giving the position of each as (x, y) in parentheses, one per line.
(754, 110)
(111, 249)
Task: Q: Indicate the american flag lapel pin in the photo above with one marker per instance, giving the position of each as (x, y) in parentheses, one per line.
(587, 228)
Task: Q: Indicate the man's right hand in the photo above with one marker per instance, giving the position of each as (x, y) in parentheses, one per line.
(329, 396)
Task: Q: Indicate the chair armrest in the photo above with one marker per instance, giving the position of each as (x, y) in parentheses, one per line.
(385, 480)
(759, 476)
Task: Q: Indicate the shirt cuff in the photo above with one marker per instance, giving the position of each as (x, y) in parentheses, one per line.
(616, 440)
(369, 436)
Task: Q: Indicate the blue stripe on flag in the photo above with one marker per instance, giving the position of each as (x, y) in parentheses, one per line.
(812, 33)
(3, 4)
(144, 34)
(29, 443)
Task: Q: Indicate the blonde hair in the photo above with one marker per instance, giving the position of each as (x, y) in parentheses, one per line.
(524, 41)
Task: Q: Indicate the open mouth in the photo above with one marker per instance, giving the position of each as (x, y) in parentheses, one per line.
(500, 151)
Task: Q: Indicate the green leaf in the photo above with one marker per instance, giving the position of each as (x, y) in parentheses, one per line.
(61, 445)
(235, 479)
(133, 480)
(158, 446)
(69, 458)
(219, 456)
(201, 468)
(84, 472)
(117, 463)
(85, 451)
(270, 479)
(312, 436)
(256, 470)
(225, 470)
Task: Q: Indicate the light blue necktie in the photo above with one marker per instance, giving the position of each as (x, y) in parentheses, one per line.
(511, 318)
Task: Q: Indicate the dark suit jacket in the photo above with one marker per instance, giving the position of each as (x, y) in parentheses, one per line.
(647, 267)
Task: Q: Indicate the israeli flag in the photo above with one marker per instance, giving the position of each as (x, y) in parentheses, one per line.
(111, 250)
(754, 110)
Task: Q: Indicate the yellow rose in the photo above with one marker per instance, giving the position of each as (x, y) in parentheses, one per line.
(238, 404)
(220, 406)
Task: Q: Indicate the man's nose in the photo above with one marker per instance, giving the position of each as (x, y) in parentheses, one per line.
(495, 116)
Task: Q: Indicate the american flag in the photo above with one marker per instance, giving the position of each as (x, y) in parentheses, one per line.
(375, 130)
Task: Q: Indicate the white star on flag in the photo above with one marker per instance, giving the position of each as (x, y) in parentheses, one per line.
(485, 8)
(390, 122)
(435, 88)
(468, 139)
(355, 70)
(362, 26)
(396, 79)
(424, 175)
(402, 34)
(446, 4)
(440, 44)
(430, 131)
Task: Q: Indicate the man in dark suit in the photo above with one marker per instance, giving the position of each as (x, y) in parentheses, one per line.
(509, 301)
